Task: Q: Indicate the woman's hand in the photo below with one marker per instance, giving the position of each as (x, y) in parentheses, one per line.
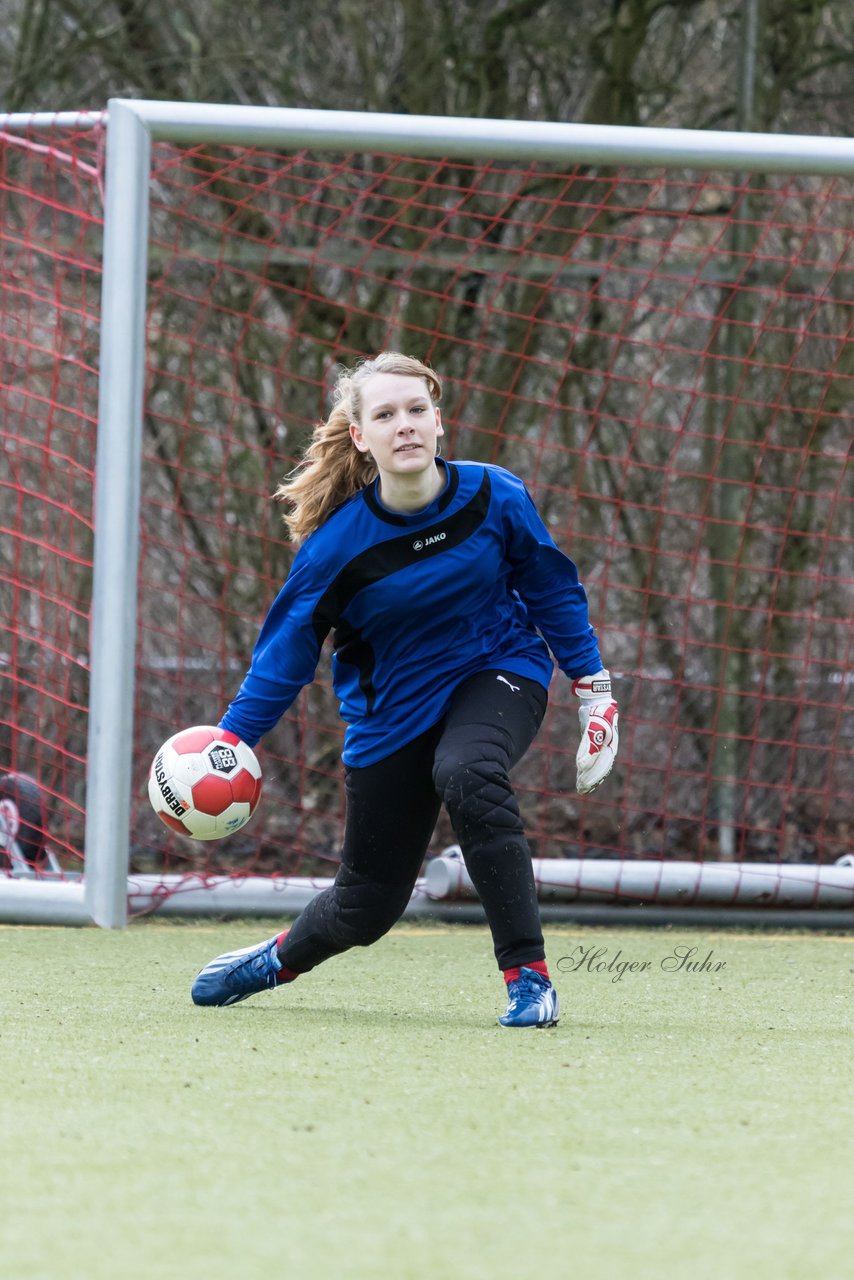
(598, 716)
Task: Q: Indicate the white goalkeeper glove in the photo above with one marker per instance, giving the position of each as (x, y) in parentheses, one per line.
(597, 715)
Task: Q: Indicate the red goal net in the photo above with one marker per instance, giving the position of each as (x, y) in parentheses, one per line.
(50, 276)
(666, 358)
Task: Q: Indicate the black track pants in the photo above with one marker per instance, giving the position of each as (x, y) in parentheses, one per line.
(463, 762)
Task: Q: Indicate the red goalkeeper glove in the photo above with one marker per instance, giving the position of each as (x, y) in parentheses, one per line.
(600, 738)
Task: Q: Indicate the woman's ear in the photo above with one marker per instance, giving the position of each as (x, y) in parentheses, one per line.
(357, 437)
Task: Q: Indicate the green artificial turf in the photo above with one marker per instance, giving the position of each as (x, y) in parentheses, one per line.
(372, 1120)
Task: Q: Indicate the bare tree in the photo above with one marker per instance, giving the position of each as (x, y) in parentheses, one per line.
(501, 336)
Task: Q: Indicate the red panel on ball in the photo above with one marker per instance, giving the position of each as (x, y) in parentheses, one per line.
(193, 740)
(173, 823)
(212, 795)
(225, 735)
(245, 788)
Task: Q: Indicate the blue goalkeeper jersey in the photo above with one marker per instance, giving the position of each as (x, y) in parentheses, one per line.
(416, 604)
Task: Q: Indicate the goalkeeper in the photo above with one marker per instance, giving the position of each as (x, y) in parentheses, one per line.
(444, 593)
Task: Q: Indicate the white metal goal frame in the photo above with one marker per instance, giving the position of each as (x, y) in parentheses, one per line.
(102, 895)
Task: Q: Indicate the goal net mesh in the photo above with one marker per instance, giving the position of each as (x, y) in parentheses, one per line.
(666, 359)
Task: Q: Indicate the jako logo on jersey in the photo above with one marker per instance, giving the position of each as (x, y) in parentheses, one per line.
(428, 542)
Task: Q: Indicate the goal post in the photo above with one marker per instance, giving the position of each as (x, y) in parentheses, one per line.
(117, 492)
(565, 224)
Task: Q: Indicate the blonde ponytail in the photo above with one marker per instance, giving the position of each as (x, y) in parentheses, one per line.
(332, 468)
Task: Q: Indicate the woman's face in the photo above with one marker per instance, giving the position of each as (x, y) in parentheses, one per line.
(399, 425)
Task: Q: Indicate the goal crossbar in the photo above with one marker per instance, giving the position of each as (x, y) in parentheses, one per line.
(456, 136)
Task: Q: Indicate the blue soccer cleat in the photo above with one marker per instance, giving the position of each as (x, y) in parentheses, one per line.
(533, 1001)
(238, 974)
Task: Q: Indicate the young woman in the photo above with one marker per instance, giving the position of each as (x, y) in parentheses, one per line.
(442, 588)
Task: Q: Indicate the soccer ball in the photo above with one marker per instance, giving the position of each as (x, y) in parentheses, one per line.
(204, 783)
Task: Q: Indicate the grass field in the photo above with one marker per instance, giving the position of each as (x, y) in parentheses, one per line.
(372, 1120)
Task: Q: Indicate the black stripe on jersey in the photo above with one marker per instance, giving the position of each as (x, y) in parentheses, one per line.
(392, 517)
(377, 562)
(352, 647)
